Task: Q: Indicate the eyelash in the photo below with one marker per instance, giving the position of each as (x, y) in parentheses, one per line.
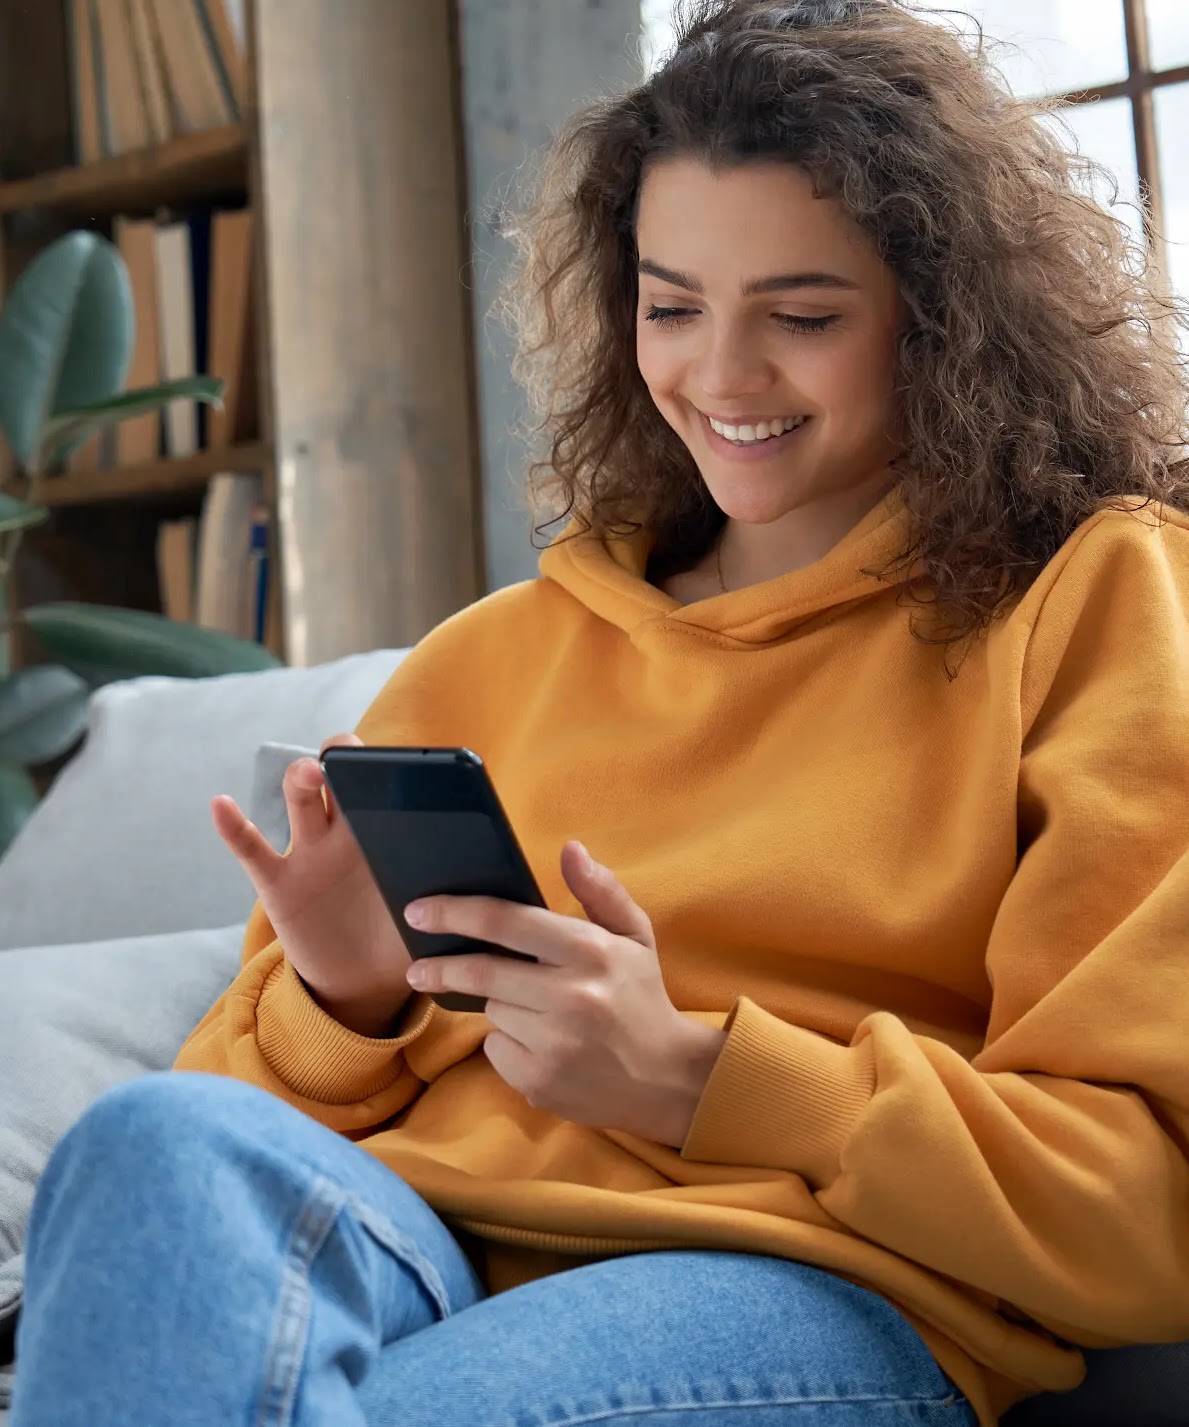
(667, 317)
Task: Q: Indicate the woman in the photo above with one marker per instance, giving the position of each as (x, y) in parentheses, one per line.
(850, 1081)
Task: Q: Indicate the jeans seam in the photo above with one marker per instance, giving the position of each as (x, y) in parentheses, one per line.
(689, 1408)
(403, 1248)
(284, 1365)
(382, 1229)
(880, 1402)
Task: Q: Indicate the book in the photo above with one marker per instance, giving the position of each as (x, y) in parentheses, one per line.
(197, 95)
(175, 567)
(223, 24)
(88, 136)
(237, 17)
(274, 615)
(151, 69)
(226, 587)
(175, 314)
(199, 222)
(258, 573)
(230, 322)
(122, 97)
(139, 439)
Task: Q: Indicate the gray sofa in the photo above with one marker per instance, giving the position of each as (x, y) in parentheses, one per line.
(119, 883)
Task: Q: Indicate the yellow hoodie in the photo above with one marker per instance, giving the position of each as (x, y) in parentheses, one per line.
(944, 921)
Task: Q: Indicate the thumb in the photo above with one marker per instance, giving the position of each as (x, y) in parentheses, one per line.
(605, 900)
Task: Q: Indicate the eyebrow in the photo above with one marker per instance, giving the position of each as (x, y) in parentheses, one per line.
(778, 282)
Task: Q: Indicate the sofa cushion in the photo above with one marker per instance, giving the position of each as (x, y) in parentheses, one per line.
(123, 844)
(75, 1020)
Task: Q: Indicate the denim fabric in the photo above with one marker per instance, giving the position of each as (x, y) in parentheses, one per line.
(200, 1253)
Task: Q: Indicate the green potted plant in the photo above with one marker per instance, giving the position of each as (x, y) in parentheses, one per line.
(66, 336)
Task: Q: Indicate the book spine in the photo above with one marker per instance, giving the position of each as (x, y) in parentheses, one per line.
(258, 566)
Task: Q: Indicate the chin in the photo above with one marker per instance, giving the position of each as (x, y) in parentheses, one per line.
(756, 507)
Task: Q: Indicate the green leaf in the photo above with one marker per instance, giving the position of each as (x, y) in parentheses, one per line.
(18, 798)
(43, 714)
(103, 644)
(65, 430)
(66, 336)
(18, 514)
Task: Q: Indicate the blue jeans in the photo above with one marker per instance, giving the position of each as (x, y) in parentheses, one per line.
(202, 1255)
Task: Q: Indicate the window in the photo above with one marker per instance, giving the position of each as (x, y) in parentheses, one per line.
(656, 31)
(1122, 69)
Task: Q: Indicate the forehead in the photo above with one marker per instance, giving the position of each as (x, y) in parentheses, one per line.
(750, 218)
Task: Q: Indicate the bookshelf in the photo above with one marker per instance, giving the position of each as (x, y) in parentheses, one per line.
(150, 479)
(188, 168)
(361, 358)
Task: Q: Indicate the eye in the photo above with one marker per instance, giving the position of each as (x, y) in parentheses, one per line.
(805, 324)
(668, 316)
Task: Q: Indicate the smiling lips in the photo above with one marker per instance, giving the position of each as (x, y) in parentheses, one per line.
(749, 433)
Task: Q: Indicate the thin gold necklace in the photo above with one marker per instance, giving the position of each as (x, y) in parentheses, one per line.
(722, 584)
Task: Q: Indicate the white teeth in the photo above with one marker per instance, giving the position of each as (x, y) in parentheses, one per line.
(761, 431)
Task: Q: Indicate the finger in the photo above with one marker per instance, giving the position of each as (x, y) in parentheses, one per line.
(491, 977)
(605, 900)
(302, 786)
(548, 936)
(341, 740)
(514, 1065)
(256, 855)
(336, 740)
(526, 1027)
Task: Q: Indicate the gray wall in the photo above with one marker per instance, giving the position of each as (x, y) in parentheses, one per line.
(526, 65)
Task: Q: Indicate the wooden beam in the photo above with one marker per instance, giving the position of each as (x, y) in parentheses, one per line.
(1135, 22)
(1128, 88)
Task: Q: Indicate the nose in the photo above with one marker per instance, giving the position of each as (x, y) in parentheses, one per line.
(733, 364)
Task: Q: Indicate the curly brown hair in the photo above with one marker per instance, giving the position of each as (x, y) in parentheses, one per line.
(1039, 369)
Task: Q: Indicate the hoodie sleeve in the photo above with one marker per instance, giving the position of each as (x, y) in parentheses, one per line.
(268, 1030)
(1051, 1170)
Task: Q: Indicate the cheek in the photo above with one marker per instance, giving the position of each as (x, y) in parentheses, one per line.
(658, 362)
(857, 375)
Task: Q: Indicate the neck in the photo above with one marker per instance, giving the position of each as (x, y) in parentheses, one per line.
(751, 553)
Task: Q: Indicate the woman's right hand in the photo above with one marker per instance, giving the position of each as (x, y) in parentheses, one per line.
(323, 902)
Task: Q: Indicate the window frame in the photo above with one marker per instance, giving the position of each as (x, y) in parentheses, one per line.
(1139, 87)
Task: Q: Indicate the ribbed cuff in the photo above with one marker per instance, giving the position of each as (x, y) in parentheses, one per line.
(779, 1096)
(317, 1057)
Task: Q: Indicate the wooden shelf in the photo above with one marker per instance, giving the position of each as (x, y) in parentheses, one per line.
(190, 166)
(153, 478)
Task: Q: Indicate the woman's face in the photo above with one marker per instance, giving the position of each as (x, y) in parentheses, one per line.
(761, 303)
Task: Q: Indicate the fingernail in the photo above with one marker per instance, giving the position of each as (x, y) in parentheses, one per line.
(415, 914)
(587, 860)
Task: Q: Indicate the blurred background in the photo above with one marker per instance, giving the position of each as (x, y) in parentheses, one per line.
(305, 196)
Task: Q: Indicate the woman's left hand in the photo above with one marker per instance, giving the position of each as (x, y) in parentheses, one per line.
(588, 1032)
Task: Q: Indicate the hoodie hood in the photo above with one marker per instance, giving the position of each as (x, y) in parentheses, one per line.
(607, 575)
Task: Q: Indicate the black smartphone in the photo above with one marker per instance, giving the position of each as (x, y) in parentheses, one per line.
(428, 820)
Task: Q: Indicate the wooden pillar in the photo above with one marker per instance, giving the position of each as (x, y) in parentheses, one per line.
(368, 320)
